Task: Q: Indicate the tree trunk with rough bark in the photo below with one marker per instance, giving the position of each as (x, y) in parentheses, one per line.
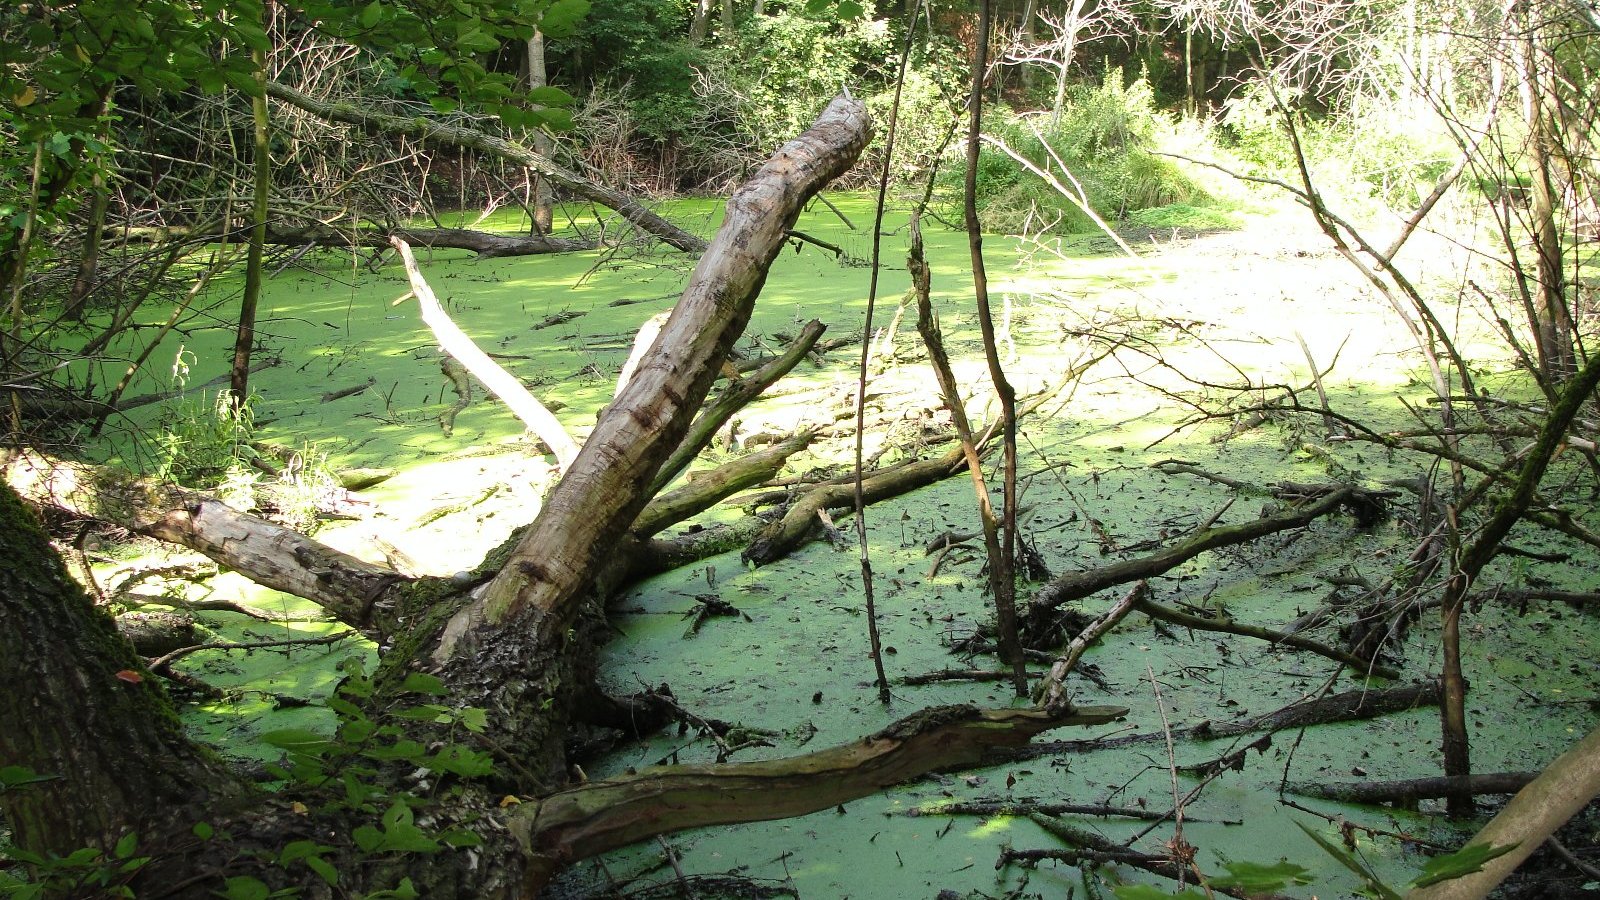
(82, 713)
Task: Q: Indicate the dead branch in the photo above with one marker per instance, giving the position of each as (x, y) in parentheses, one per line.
(1226, 625)
(510, 391)
(1351, 706)
(1052, 694)
(600, 816)
(351, 590)
(1407, 792)
(1037, 619)
(461, 136)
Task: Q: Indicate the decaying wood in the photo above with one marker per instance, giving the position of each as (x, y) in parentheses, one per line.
(510, 391)
(349, 589)
(446, 133)
(1350, 706)
(1406, 792)
(486, 244)
(600, 816)
(705, 491)
(1052, 693)
(155, 633)
(738, 395)
(1098, 848)
(793, 529)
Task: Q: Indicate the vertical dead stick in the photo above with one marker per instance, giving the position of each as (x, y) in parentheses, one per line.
(499, 382)
(1053, 691)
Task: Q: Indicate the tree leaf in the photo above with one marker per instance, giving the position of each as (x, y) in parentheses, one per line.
(423, 683)
(550, 96)
(243, 887)
(295, 738)
(1465, 861)
(371, 14)
(1253, 878)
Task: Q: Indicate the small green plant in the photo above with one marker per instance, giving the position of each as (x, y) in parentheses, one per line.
(201, 441)
(87, 872)
(1253, 878)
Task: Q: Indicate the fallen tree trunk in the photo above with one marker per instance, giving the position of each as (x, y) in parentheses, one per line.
(1407, 792)
(486, 244)
(349, 589)
(589, 820)
(460, 136)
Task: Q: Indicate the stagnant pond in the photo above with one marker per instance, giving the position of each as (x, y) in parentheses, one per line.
(792, 670)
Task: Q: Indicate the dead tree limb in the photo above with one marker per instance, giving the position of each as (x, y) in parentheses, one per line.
(510, 391)
(737, 396)
(1052, 694)
(710, 488)
(1350, 706)
(605, 489)
(429, 129)
(601, 816)
(795, 526)
(1407, 792)
(1040, 613)
(349, 589)
(1229, 626)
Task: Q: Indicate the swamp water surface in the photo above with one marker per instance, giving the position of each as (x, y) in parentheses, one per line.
(793, 671)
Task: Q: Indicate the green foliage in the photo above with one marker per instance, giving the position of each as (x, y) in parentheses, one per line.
(203, 443)
(1105, 137)
(360, 743)
(87, 872)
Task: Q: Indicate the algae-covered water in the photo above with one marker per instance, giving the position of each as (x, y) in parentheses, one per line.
(794, 670)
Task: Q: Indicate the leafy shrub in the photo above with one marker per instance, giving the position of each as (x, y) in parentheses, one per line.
(1105, 137)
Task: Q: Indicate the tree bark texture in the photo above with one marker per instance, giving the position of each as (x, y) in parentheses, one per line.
(603, 492)
(81, 711)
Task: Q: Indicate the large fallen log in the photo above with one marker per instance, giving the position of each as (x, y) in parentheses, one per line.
(348, 588)
(586, 821)
(431, 129)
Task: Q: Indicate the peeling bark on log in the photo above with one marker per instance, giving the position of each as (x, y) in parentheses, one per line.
(460, 136)
(586, 821)
(271, 555)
